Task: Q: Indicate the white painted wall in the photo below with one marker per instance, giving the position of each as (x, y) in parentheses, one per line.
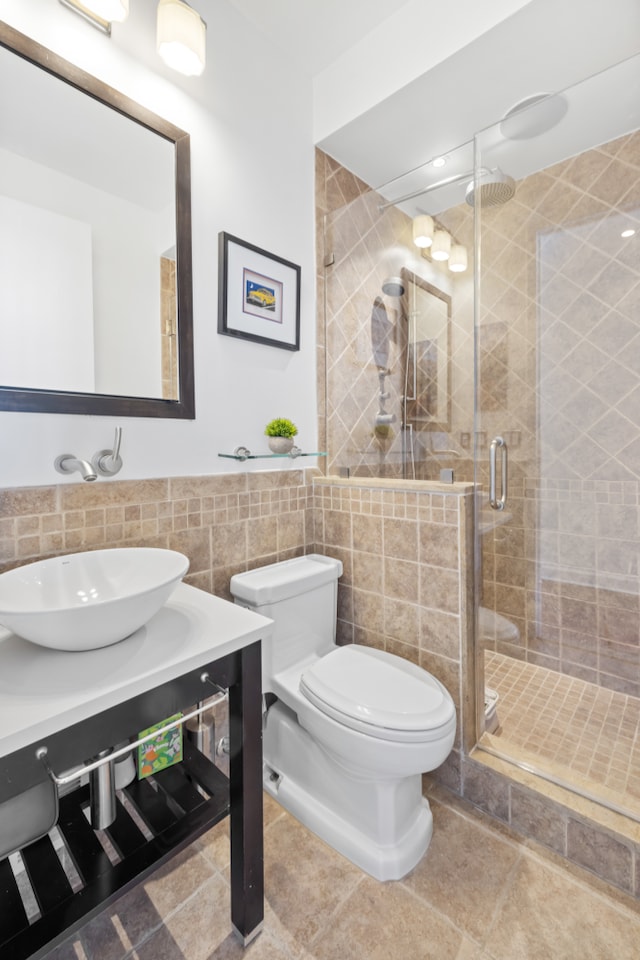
(252, 164)
(45, 298)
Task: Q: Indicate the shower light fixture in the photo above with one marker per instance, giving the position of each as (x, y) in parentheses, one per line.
(423, 230)
(100, 13)
(458, 258)
(181, 37)
(441, 246)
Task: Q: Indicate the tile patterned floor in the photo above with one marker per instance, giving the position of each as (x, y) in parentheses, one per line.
(480, 893)
(569, 727)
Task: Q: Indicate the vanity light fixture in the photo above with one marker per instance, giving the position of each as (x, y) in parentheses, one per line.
(441, 246)
(181, 37)
(100, 13)
(423, 230)
(458, 258)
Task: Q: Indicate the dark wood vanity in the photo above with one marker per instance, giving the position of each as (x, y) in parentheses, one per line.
(109, 695)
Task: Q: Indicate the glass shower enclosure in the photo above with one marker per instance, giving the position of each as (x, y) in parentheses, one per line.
(558, 421)
(507, 353)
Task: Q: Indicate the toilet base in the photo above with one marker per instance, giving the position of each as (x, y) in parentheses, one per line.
(383, 826)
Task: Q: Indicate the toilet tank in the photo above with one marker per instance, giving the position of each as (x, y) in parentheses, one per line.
(301, 597)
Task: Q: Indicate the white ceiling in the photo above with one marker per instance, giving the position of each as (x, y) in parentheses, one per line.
(314, 33)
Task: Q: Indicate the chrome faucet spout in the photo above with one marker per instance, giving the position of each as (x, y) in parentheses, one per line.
(67, 463)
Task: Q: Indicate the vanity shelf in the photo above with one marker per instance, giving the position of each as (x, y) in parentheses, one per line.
(172, 811)
(243, 453)
(81, 704)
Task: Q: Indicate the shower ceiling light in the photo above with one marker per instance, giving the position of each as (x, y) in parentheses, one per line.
(441, 246)
(423, 230)
(458, 258)
(181, 37)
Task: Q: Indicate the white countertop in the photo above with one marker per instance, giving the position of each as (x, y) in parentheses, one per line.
(43, 691)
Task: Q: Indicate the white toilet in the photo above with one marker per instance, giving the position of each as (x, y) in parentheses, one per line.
(353, 728)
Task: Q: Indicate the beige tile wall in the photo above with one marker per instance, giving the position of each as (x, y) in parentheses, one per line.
(224, 524)
(364, 245)
(407, 556)
(556, 270)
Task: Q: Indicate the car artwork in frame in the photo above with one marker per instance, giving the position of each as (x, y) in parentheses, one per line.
(258, 295)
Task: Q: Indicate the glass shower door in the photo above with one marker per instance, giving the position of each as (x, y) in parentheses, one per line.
(558, 392)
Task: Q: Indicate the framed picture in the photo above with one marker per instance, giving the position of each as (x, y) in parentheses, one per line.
(258, 295)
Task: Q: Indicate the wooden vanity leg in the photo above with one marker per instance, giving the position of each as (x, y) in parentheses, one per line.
(245, 769)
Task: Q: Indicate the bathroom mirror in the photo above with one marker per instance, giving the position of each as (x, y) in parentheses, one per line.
(95, 245)
(428, 312)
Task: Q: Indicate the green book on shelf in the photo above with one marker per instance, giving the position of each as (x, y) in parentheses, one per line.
(162, 751)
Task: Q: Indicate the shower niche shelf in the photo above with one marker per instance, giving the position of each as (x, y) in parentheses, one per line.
(243, 453)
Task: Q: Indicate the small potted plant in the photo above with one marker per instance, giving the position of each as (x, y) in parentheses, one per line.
(280, 433)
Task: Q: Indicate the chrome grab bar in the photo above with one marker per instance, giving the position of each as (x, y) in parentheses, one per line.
(494, 502)
(108, 757)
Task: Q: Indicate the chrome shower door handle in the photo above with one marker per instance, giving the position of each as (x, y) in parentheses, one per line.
(494, 502)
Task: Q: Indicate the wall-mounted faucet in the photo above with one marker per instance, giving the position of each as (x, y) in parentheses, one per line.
(67, 463)
(104, 463)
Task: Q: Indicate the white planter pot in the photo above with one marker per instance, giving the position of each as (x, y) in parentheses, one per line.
(280, 444)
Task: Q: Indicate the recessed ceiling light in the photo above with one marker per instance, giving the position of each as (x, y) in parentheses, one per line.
(439, 162)
(627, 233)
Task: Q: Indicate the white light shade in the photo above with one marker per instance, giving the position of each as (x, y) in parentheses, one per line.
(441, 246)
(458, 258)
(181, 37)
(114, 11)
(423, 230)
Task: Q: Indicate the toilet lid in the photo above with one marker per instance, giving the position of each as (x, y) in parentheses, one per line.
(367, 688)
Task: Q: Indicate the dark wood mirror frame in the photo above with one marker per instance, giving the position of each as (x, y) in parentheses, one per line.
(54, 401)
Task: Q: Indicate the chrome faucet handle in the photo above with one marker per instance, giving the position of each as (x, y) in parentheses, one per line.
(109, 462)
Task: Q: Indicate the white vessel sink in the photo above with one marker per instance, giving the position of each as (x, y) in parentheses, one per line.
(87, 600)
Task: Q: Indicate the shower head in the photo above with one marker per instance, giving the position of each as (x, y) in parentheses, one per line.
(492, 188)
(393, 287)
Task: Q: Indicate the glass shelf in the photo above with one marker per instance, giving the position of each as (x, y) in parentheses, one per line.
(243, 453)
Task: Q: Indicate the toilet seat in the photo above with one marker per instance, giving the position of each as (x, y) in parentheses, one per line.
(379, 693)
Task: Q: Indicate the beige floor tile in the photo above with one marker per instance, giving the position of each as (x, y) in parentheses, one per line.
(264, 947)
(385, 922)
(545, 914)
(196, 930)
(142, 910)
(169, 886)
(305, 880)
(479, 894)
(464, 871)
(215, 842)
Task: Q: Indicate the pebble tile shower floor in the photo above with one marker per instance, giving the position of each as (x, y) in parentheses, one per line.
(480, 893)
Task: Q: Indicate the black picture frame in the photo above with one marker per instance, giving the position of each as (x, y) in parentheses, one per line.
(258, 294)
